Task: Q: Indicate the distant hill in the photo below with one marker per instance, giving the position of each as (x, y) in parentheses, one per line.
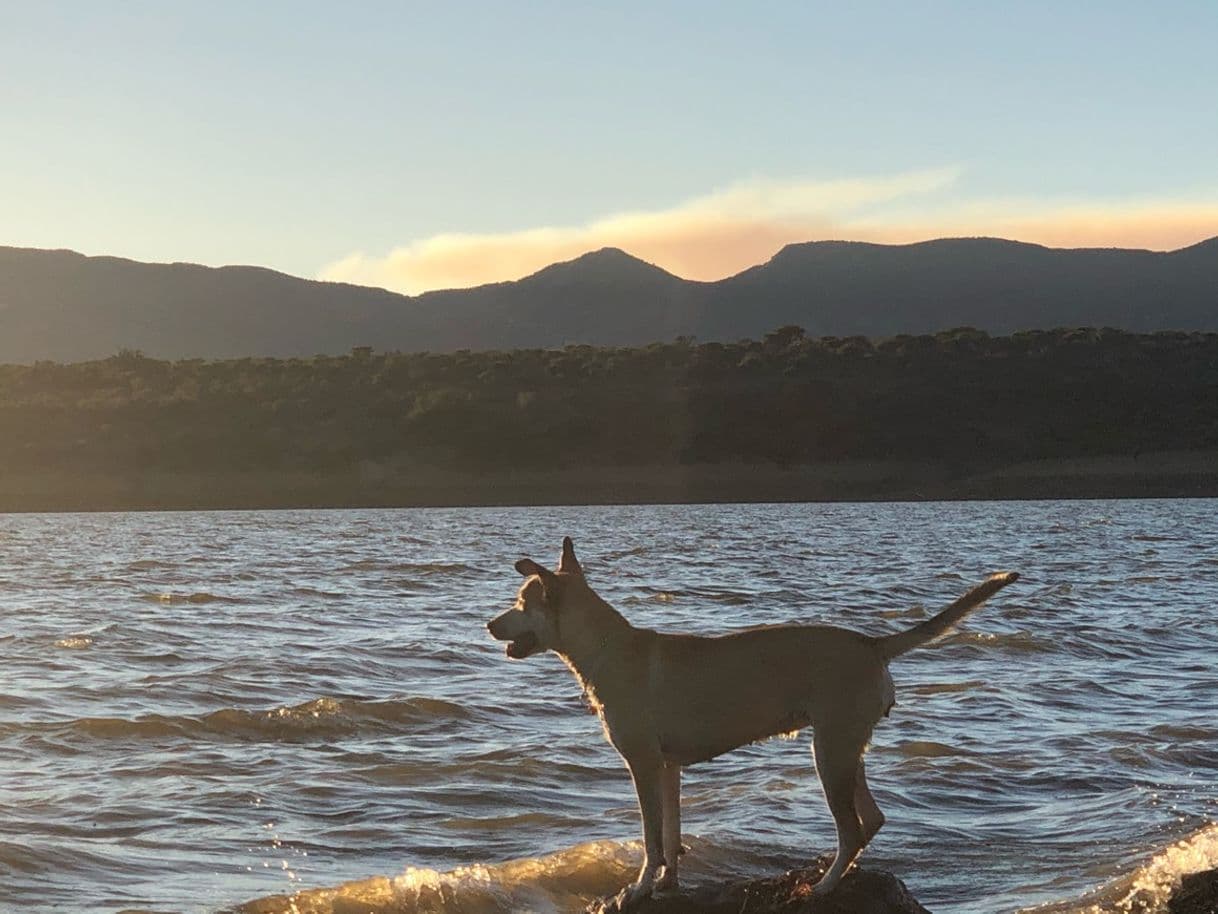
(63, 306)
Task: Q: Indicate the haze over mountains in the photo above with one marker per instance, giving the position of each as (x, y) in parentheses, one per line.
(63, 306)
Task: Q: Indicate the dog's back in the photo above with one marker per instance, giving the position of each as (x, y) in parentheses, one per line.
(707, 695)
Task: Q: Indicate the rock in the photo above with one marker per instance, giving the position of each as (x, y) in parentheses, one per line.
(862, 891)
(1198, 894)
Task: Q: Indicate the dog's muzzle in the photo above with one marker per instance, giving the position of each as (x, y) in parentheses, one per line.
(523, 646)
(520, 645)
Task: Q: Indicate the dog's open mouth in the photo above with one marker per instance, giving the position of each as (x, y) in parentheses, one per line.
(522, 646)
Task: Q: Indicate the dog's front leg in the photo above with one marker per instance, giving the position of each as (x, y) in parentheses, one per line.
(670, 792)
(647, 775)
(648, 785)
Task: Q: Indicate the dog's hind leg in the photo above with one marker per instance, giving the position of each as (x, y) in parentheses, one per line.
(869, 813)
(839, 752)
(670, 784)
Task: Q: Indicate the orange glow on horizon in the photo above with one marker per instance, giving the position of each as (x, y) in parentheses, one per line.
(725, 233)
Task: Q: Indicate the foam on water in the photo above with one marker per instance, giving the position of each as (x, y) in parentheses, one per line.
(564, 883)
(560, 882)
(557, 883)
(1149, 887)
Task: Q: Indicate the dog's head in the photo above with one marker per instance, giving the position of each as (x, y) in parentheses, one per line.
(532, 625)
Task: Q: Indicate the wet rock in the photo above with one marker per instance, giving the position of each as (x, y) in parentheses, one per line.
(1198, 894)
(862, 891)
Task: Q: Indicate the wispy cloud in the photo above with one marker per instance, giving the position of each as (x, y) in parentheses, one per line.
(1154, 224)
(733, 228)
(707, 237)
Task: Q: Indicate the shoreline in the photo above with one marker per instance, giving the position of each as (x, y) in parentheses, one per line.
(1192, 474)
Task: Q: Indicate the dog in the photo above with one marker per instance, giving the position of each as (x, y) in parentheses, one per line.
(668, 700)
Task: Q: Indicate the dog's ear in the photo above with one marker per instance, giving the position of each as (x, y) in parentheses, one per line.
(528, 568)
(568, 562)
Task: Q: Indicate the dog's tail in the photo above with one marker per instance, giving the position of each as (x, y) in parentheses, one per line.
(895, 645)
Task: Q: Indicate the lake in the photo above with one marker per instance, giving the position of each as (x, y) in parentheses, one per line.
(202, 709)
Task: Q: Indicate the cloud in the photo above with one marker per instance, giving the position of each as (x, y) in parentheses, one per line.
(707, 237)
(729, 230)
(1157, 225)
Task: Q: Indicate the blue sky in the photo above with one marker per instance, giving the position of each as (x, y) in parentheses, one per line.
(422, 145)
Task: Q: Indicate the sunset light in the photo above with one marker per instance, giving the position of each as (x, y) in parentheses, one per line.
(668, 457)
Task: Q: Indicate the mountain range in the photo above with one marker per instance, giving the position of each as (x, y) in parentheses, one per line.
(64, 306)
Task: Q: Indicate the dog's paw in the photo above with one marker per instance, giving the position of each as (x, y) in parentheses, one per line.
(824, 888)
(802, 891)
(623, 901)
(607, 905)
(665, 885)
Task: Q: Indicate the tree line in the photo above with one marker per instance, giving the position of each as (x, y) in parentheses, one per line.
(960, 397)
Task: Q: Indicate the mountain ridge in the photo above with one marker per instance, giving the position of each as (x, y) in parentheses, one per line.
(67, 306)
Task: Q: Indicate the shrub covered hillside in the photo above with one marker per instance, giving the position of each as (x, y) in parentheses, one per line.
(961, 398)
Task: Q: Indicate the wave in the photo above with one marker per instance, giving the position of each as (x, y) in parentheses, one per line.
(1149, 888)
(198, 598)
(424, 568)
(75, 642)
(696, 595)
(1016, 642)
(149, 565)
(327, 717)
(560, 882)
(928, 749)
(940, 688)
(567, 880)
(320, 718)
(556, 883)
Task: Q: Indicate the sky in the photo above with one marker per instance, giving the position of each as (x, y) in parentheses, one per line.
(436, 145)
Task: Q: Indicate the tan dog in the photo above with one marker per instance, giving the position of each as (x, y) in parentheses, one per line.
(672, 700)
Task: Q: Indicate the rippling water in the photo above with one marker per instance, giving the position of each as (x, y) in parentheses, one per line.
(202, 709)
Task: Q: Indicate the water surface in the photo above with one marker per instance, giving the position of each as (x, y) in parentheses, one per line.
(200, 709)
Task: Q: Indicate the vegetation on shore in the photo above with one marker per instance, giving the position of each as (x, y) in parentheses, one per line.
(960, 400)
